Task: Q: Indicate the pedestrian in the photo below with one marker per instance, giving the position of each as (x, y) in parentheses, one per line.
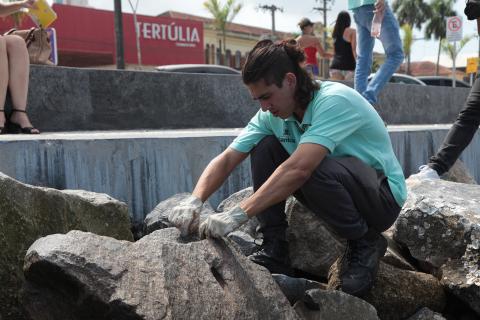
(345, 46)
(311, 46)
(363, 12)
(323, 143)
(464, 128)
(14, 75)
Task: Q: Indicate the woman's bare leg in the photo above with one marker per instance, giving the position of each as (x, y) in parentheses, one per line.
(19, 69)
(3, 77)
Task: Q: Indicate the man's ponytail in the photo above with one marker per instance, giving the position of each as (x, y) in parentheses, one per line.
(272, 61)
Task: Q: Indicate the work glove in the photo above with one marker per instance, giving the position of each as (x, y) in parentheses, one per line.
(220, 224)
(186, 215)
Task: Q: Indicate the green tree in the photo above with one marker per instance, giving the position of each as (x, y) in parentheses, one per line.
(407, 43)
(450, 49)
(436, 23)
(411, 12)
(222, 15)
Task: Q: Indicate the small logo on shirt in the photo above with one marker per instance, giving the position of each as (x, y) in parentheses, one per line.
(286, 137)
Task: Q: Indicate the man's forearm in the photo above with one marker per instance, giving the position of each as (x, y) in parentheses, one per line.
(216, 173)
(281, 184)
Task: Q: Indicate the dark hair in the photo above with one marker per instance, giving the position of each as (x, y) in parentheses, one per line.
(272, 61)
(305, 22)
(343, 22)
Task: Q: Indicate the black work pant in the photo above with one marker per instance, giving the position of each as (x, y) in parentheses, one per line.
(348, 195)
(460, 134)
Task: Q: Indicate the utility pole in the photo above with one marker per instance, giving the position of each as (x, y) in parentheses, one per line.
(137, 32)
(119, 34)
(272, 9)
(324, 9)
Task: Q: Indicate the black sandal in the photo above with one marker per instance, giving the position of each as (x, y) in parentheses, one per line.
(13, 127)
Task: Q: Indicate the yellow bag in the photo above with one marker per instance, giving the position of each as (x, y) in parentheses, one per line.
(42, 14)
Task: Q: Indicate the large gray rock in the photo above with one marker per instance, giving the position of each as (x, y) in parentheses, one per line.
(398, 294)
(28, 213)
(426, 314)
(313, 247)
(295, 288)
(84, 276)
(440, 225)
(459, 173)
(461, 277)
(439, 220)
(335, 305)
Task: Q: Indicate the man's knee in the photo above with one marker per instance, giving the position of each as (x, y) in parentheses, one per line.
(267, 144)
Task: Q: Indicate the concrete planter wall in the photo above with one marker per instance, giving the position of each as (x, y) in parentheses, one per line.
(71, 99)
(144, 168)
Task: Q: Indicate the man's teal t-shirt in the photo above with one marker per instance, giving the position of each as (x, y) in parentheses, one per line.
(352, 4)
(342, 121)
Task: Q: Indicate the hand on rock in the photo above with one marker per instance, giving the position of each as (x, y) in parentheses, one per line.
(220, 224)
(186, 215)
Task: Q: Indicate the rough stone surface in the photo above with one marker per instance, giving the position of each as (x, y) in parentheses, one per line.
(84, 276)
(158, 218)
(461, 277)
(295, 288)
(426, 314)
(459, 173)
(335, 305)
(28, 213)
(439, 220)
(398, 294)
(313, 248)
(395, 255)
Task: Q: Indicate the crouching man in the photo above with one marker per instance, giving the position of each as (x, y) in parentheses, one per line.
(323, 143)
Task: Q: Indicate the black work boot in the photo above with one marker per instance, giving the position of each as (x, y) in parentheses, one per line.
(273, 255)
(360, 263)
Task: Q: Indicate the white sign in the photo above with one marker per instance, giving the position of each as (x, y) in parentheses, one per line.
(170, 32)
(454, 28)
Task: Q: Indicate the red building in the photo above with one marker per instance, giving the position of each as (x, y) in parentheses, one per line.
(86, 37)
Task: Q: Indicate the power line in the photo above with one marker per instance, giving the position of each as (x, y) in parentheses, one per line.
(272, 8)
(324, 9)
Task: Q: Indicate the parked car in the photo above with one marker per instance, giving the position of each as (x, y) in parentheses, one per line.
(197, 68)
(402, 78)
(443, 81)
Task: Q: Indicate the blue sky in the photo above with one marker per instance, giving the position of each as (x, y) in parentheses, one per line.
(293, 11)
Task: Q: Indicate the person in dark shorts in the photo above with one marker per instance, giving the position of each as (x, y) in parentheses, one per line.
(345, 44)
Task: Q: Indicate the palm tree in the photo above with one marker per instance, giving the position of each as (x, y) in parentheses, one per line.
(436, 23)
(407, 43)
(222, 15)
(410, 14)
(450, 49)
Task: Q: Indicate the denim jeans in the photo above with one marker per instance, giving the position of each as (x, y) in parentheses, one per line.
(348, 195)
(460, 134)
(392, 44)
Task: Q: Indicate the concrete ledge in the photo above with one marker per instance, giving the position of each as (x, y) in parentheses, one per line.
(143, 168)
(71, 99)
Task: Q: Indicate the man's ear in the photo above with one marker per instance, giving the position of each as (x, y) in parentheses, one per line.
(291, 79)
